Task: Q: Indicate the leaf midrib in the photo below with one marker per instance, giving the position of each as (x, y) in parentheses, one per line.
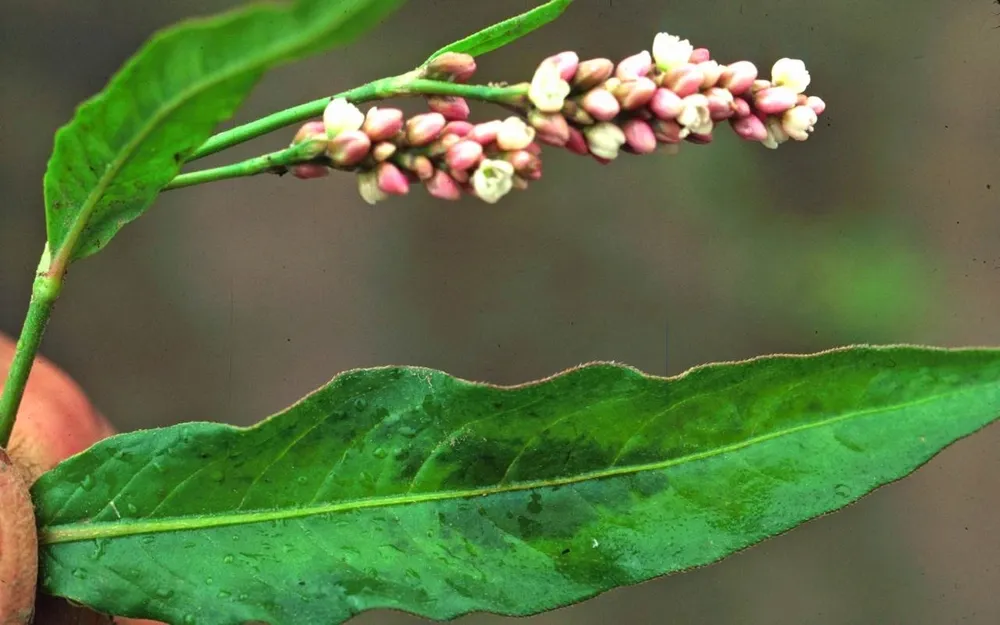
(89, 531)
(69, 244)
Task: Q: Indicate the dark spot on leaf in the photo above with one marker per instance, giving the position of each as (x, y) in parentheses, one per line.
(565, 551)
(535, 505)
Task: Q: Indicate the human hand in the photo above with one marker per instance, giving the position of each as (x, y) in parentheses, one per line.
(55, 421)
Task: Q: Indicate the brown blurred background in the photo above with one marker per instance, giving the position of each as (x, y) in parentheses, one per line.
(229, 301)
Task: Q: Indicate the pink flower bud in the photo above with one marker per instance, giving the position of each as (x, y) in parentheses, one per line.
(601, 104)
(307, 171)
(684, 81)
(667, 131)
(382, 124)
(700, 55)
(451, 65)
(443, 186)
(816, 104)
(465, 154)
(514, 134)
(635, 94)
(348, 148)
(461, 176)
(457, 128)
(574, 113)
(639, 136)
(310, 130)
(525, 164)
(741, 108)
(552, 127)
(738, 77)
(749, 127)
(636, 66)
(567, 63)
(451, 107)
(577, 143)
(390, 180)
(720, 103)
(699, 138)
(591, 73)
(666, 104)
(485, 133)
(424, 128)
(775, 100)
(383, 151)
(759, 85)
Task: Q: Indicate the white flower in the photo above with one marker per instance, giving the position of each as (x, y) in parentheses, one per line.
(604, 140)
(548, 90)
(798, 122)
(776, 135)
(340, 116)
(514, 134)
(368, 187)
(695, 116)
(791, 73)
(493, 180)
(671, 52)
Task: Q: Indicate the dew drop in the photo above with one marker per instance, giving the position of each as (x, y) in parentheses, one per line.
(301, 479)
(79, 573)
(407, 431)
(88, 482)
(209, 581)
(188, 619)
(147, 539)
(228, 559)
(399, 453)
(217, 476)
(360, 404)
(164, 593)
(131, 508)
(243, 596)
(121, 454)
(842, 490)
(380, 453)
(224, 594)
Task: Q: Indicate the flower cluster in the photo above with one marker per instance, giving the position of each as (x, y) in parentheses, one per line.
(676, 93)
(592, 107)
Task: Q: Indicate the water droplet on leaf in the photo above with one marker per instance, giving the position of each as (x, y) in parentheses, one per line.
(88, 482)
(380, 453)
(79, 573)
(360, 404)
(228, 559)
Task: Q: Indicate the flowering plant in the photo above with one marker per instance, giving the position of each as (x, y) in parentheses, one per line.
(404, 487)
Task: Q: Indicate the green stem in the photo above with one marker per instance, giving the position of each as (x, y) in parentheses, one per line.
(275, 162)
(44, 293)
(402, 85)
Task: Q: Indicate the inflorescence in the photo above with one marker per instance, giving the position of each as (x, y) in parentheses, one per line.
(592, 107)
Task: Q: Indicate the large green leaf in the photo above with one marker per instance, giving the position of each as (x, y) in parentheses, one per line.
(507, 31)
(406, 488)
(128, 141)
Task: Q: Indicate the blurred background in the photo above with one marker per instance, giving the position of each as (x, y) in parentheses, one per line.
(229, 301)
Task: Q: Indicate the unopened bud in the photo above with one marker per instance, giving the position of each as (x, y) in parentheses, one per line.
(443, 186)
(383, 151)
(567, 63)
(451, 66)
(666, 104)
(552, 127)
(348, 148)
(633, 67)
(635, 94)
(601, 104)
(465, 154)
(574, 113)
(741, 108)
(307, 171)
(420, 165)
(700, 55)
(577, 143)
(390, 180)
(775, 100)
(382, 124)
(720, 103)
(816, 104)
(667, 131)
(591, 73)
(738, 77)
(424, 128)
(457, 128)
(526, 164)
(310, 131)
(639, 136)
(699, 138)
(749, 127)
(711, 72)
(684, 80)
(451, 107)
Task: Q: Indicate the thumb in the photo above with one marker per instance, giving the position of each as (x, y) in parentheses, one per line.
(55, 421)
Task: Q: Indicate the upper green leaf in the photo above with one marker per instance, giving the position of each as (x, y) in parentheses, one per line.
(406, 488)
(130, 140)
(507, 31)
